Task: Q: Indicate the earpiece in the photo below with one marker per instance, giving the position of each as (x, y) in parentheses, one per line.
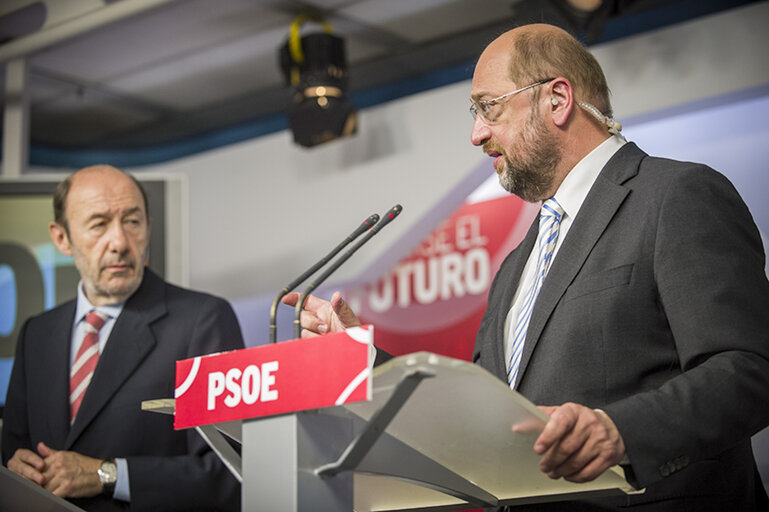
(613, 126)
(554, 102)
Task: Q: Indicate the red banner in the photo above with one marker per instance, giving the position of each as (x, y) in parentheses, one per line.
(435, 297)
(274, 379)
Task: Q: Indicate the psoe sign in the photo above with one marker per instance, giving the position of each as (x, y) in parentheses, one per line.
(275, 379)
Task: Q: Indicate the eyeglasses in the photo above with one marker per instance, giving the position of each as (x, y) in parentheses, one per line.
(490, 110)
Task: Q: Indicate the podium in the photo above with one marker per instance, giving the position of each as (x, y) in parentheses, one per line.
(436, 436)
(18, 494)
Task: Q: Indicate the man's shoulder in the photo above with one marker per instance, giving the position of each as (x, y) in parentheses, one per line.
(174, 295)
(684, 178)
(54, 314)
(672, 165)
(43, 325)
(188, 311)
(658, 172)
(651, 163)
(178, 293)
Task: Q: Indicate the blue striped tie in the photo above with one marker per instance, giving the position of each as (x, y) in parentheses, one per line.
(549, 221)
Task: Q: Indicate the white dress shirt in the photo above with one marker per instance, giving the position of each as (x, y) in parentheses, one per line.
(83, 307)
(570, 195)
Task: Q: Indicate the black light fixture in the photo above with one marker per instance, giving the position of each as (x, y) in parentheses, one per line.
(584, 19)
(315, 67)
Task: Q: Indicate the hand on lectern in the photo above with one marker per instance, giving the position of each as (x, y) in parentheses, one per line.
(321, 316)
(65, 474)
(70, 474)
(578, 443)
(28, 464)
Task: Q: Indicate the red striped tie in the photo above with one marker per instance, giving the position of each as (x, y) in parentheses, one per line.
(85, 362)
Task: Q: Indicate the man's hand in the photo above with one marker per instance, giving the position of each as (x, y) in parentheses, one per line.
(29, 465)
(69, 474)
(321, 316)
(578, 443)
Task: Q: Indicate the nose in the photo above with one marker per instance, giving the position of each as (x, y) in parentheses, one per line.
(480, 132)
(118, 240)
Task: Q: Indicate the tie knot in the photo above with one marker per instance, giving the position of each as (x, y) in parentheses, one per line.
(552, 209)
(95, 319)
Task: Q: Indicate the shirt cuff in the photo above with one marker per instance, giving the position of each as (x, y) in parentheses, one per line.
(122, 488)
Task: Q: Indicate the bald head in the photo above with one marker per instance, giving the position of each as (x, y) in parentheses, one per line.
(535, 52)
(63, 188)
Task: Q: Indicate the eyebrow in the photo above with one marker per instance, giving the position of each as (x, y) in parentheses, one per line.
(133, 210)
(96, 216)
(484, 96)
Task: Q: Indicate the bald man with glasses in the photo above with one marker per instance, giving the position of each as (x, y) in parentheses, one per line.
(634, 312)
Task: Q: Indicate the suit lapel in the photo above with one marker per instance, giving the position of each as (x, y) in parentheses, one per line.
(54, 361)
(130, 341)
(601, 204)
(510, 280)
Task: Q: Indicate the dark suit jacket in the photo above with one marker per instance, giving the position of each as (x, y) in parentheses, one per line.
(656, 310)
(159, 325)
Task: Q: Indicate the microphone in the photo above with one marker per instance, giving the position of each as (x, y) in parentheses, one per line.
(388, 217)
(365, 226)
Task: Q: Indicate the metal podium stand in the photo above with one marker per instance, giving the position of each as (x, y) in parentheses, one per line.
(436, 436)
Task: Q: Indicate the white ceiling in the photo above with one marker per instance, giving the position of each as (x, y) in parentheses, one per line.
(189, 67)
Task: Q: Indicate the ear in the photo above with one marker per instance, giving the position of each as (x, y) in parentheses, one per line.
(560, 101)
(149, 237)
(60, 238)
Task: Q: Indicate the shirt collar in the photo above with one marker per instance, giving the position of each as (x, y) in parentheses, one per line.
(575, 187)
(84, 306)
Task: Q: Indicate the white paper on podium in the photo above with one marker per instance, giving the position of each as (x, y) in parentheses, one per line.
(462, 418)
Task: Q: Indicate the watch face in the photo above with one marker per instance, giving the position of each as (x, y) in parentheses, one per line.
(107, 472)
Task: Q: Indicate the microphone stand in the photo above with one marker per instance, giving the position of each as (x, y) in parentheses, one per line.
(389, 216)
(365, 226)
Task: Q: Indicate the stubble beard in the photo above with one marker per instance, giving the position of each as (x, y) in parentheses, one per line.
(531, 172)
(118, 294)
(97, 286)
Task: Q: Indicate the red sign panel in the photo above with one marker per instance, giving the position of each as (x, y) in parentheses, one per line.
(435, 297)
(274, 379)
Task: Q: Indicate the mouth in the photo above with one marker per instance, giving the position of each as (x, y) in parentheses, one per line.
(118, 268)
(499, 161)
(498, 156)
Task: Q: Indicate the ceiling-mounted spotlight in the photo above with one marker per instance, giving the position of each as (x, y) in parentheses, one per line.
(584, 19)
(315, 67)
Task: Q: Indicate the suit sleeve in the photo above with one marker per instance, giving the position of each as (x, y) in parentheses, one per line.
(197, 480)
(711, 283)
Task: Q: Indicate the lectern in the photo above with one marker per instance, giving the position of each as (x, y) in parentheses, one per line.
(434, 434)
(18, 494)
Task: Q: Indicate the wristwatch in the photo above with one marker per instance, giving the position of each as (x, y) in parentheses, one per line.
(107, 476)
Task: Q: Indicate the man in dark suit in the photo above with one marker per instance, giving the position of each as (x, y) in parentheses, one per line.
(79, 432)
(639, 305)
